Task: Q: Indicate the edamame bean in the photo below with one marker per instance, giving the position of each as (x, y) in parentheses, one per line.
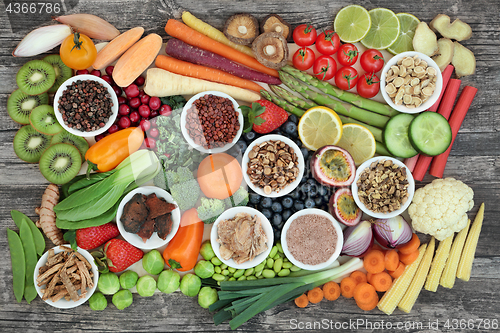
(217, 269)
(231, 279)
(277, 256)
(295, 268)
(251, 278)
(259, 273)
(287, 264)
(277, 265)
(260, 277)
(280, 248)
(218, 277)
(249, 271)
(239, 273)
(241, 278)
(225, 272)
(268, 273)
(259, 267)
(273, 252)
(216, 261)
(231, 270)
(284, 272)
(270, 263)
(223, 266)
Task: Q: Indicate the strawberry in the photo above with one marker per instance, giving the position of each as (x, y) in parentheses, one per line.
(120, 254)
(93, 237)
(264, 116)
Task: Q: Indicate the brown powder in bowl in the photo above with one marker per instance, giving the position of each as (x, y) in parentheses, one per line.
(311, 239)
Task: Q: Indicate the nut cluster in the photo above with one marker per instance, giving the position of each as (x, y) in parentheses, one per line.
(411, 82)
(85, 105)
(212, 121)
(383, 187)
(272, 166)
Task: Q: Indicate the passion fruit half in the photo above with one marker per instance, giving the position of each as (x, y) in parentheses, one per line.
(333, 166)
(343, 207)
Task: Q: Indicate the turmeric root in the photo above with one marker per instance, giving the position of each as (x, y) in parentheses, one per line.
(47, 216)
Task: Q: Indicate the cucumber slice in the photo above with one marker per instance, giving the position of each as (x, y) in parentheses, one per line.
(430, 133)
(396, 136)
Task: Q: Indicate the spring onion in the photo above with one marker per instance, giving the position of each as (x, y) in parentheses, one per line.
(391, 233)
(358, 239)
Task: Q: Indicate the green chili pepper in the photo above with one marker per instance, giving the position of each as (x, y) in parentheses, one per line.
(18, 264)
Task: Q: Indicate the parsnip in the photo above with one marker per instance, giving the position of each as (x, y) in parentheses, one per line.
(425, 40)
(463, 60)
(457, 30)
(445, 53)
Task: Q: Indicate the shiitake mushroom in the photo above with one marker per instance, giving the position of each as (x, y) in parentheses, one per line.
(241, 29)
(274, 23)
(271, 49)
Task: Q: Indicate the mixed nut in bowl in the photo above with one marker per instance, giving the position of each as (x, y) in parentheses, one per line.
(411, 82)
(211, 122)
(273, 165)
(383, 187)
(86, 105)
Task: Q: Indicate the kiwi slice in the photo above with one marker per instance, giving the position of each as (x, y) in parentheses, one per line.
(60, 163)
(63, 72)
(20, 105)
(36, 77)
(77, 141)
(29, 144)
(44, 120)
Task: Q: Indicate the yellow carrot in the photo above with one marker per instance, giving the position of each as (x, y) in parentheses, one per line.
(465, 264)
(438, 263)
(450, 269)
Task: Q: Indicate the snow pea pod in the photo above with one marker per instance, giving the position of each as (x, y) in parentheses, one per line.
(38, 239)
(30, 260)
(18, 264)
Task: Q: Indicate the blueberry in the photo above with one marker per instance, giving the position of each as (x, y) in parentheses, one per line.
(326, 198)
(295, 194)
(305, 152)
(305, 188)
(250, 136)
(276, 207)
(286, 214)
(293, 118)
(309, 203)
(323, 190)
(267, 213)
(277, 132)
(266, 202)
(313, 190)
(298, 205)
(287, 202)
(242, 145)
(298, 143)
(277, 234)
(254, 198)
(290, 129)
(276, 220)
(318, 201)
(282, 224)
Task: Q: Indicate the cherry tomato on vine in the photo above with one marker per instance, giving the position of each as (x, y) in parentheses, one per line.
(328, 42)
(325, 67)
(346, 78)
(304, 35)
(348, 55)
(372, 60)
(368, 85)
(303, 58)
(78, 51)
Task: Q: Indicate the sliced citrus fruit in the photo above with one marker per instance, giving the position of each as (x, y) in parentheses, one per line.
(352, 23)
(384, 29)
(318, 127)
(358, 141)
(407, 25)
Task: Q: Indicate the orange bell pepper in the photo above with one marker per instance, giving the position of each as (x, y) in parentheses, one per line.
(110, 151)
(182, 251)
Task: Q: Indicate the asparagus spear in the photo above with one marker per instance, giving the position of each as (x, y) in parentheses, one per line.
(292, 99)
(377, 132)
(345, 96)
(344, 109)
(282, 103)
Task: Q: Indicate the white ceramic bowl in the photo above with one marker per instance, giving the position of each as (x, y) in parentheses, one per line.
(423, 106)
(354, 188)
(63, 303)
(338, 245)
(229, 214)
(154, 241)
(188, 138)
(290, 187)
(114, 108)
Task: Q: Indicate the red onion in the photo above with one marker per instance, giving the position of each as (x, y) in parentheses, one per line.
(391, 233)
(358, 239)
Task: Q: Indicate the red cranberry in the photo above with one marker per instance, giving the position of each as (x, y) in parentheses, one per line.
(99, 137)
(145, 125)
(108, 79)
(124, 122)
(134, 116)
(154, 132)
(166, 110)
(141, 93)
(134, 102)
(150, 142)
(152, 120)
(140, 81)
(114, 128)
(124, 110)
(154, 103)
(82, 72)
(153, 114)
(132, 91)
(95, 72)
(121, 100)
(144, 111)
(109, 70)
(117, 90)
(144, 99)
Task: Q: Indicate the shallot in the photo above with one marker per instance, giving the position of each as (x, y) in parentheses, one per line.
(391, 233)
(358, 239)
(90, 25)
(42, 40)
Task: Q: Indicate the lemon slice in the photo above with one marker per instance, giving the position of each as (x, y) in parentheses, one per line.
(358, 141)
(407, 25)
(384, 29)
(352, 23)
(318, 127)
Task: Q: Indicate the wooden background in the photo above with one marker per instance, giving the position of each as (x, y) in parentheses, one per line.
(474, 159)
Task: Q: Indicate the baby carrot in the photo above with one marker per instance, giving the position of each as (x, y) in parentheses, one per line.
(411, 246)
(302, 301)
(359, 276)
(331, 290)
(391, 260)
(374, 262)
(315, 295)
(347, 286)
(381, 281)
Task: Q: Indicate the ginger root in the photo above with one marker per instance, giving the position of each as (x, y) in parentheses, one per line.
(425, 40)
(463, 60)
(47, 216)
(457, 30)
(445, 51)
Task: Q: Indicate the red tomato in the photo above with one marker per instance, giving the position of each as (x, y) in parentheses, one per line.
(348, 55)
(368, 85)
(303, 58)
(328, 42)
(304, 35)
(325, 67)
(346, 78)
(372, 60)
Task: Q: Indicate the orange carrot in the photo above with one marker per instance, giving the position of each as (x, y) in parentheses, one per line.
(408, 258)
(364, 293)
(375, 246)
(374, 261)
(315, 295)
(370, 306)
(206, 73)
(331, 290)
(347, 286)
(302, 301)
(359, 276)
(368, 277)
(391, 260)
(181, 31)
(397, 273)
(411, 246)
(381, 281)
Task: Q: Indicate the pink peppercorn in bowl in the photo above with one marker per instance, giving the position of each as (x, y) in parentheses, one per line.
(109, 117)
(312, 239)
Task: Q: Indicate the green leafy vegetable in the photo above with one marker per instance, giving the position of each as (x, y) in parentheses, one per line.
(175, 102)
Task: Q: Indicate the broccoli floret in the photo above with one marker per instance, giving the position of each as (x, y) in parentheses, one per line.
(239, 198)
(210, 210)
(160, 180)
(185, 194)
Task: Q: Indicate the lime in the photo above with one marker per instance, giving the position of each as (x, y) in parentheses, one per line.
(352, 23)
(358, 141)
(407, 23)
(318, 127)
(384, 29)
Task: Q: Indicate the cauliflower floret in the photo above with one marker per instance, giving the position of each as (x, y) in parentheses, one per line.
(440, 208)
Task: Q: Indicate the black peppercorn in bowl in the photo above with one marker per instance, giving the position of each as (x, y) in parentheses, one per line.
(211, 122)
(86, 105)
